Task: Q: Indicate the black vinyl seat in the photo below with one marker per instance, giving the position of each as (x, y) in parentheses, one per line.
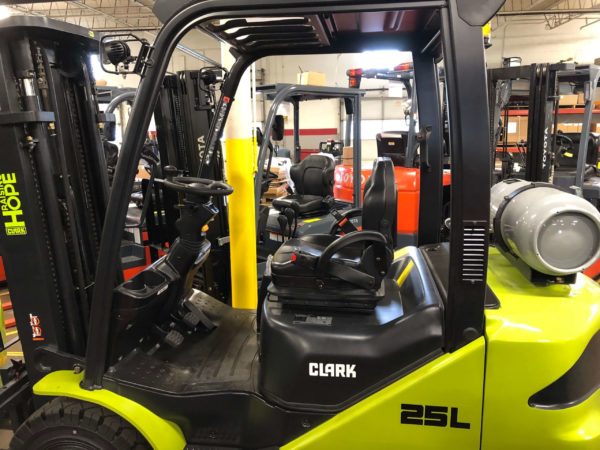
(392, 145)
(313, 182)
(329, 271)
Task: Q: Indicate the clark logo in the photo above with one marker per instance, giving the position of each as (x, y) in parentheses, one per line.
(10, 206)
(331, 370)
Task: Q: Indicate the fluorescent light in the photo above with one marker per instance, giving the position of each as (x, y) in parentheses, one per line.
(383, 59)
(5, 12)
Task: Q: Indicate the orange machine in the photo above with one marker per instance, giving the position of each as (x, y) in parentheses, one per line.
(407, 184)
(594, 271)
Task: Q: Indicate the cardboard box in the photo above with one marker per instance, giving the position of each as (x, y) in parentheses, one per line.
(570, 127)
(276, 190)
(311, 78)
(517, 129)
(568, 100)
(596, 99)
(347, 153)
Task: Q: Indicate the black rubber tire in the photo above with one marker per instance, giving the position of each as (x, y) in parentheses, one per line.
(65, 423)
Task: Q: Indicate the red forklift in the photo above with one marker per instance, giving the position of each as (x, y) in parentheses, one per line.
(407, 149)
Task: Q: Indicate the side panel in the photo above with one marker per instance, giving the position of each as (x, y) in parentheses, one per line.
(534, 338)
(160, 433)
(437, 406)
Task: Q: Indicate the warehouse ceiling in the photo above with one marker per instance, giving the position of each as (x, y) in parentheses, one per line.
(137, 15)
(553, 13)
(98, 15)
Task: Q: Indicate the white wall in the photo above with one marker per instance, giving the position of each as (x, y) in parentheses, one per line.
(534, 44)
(379, 112)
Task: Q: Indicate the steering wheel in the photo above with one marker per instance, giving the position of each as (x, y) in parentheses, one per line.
(198, 186)
(565, 142)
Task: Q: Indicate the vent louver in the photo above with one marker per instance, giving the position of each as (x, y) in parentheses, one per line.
(473, 254)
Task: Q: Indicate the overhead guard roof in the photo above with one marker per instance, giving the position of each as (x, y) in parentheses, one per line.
(411, 25)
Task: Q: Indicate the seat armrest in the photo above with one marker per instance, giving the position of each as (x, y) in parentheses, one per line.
(355, 237)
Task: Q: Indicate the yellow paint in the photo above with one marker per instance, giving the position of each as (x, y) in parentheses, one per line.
(536, 335)
(240, 164)
(405, 273)
(487, 29)
(160, 433)
(316, 219)
(452, 380)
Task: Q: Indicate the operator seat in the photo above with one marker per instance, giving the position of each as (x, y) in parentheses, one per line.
(323, 270)
(392, 145)
(313, 181)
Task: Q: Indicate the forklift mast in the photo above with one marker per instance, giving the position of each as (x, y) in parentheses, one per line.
(53, 183)
(542, 103)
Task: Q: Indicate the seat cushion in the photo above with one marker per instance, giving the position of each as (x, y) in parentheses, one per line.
(351, 279)
(301, 204)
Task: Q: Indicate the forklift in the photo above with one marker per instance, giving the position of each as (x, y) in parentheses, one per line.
(447, 345)
(407, 149)
(310, 206)
(568, 160)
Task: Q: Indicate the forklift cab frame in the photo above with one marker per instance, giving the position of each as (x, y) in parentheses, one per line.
(296, 94)
(435, 338)
(454, 26)
(322, 221)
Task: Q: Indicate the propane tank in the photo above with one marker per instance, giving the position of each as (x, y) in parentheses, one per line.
(552, 231)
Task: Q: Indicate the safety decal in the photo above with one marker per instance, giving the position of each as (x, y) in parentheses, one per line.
(10, 206)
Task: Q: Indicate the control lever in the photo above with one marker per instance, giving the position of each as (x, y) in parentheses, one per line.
(292, 219)
(283, 224)
(423, 138)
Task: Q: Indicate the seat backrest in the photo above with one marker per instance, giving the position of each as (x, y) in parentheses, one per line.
(392, 145)
(313, 176)
(380, 202)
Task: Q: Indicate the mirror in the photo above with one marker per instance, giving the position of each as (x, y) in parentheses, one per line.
(278, 128)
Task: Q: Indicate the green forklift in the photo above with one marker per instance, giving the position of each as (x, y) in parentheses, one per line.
(449, 345)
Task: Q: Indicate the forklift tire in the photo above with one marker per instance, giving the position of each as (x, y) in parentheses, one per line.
(65, 423)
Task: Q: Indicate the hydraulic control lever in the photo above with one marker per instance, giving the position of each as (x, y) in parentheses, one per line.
(423, 140)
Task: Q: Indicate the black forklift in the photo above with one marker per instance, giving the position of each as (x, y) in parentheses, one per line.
(548, 154)
(309, 207)
(356, 347)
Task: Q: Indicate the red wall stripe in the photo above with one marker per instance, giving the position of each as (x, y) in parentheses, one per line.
(313, 132)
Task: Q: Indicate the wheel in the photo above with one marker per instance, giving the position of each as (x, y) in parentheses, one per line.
(65, 423)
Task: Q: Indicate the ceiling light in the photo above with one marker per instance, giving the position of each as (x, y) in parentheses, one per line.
(5, 12)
